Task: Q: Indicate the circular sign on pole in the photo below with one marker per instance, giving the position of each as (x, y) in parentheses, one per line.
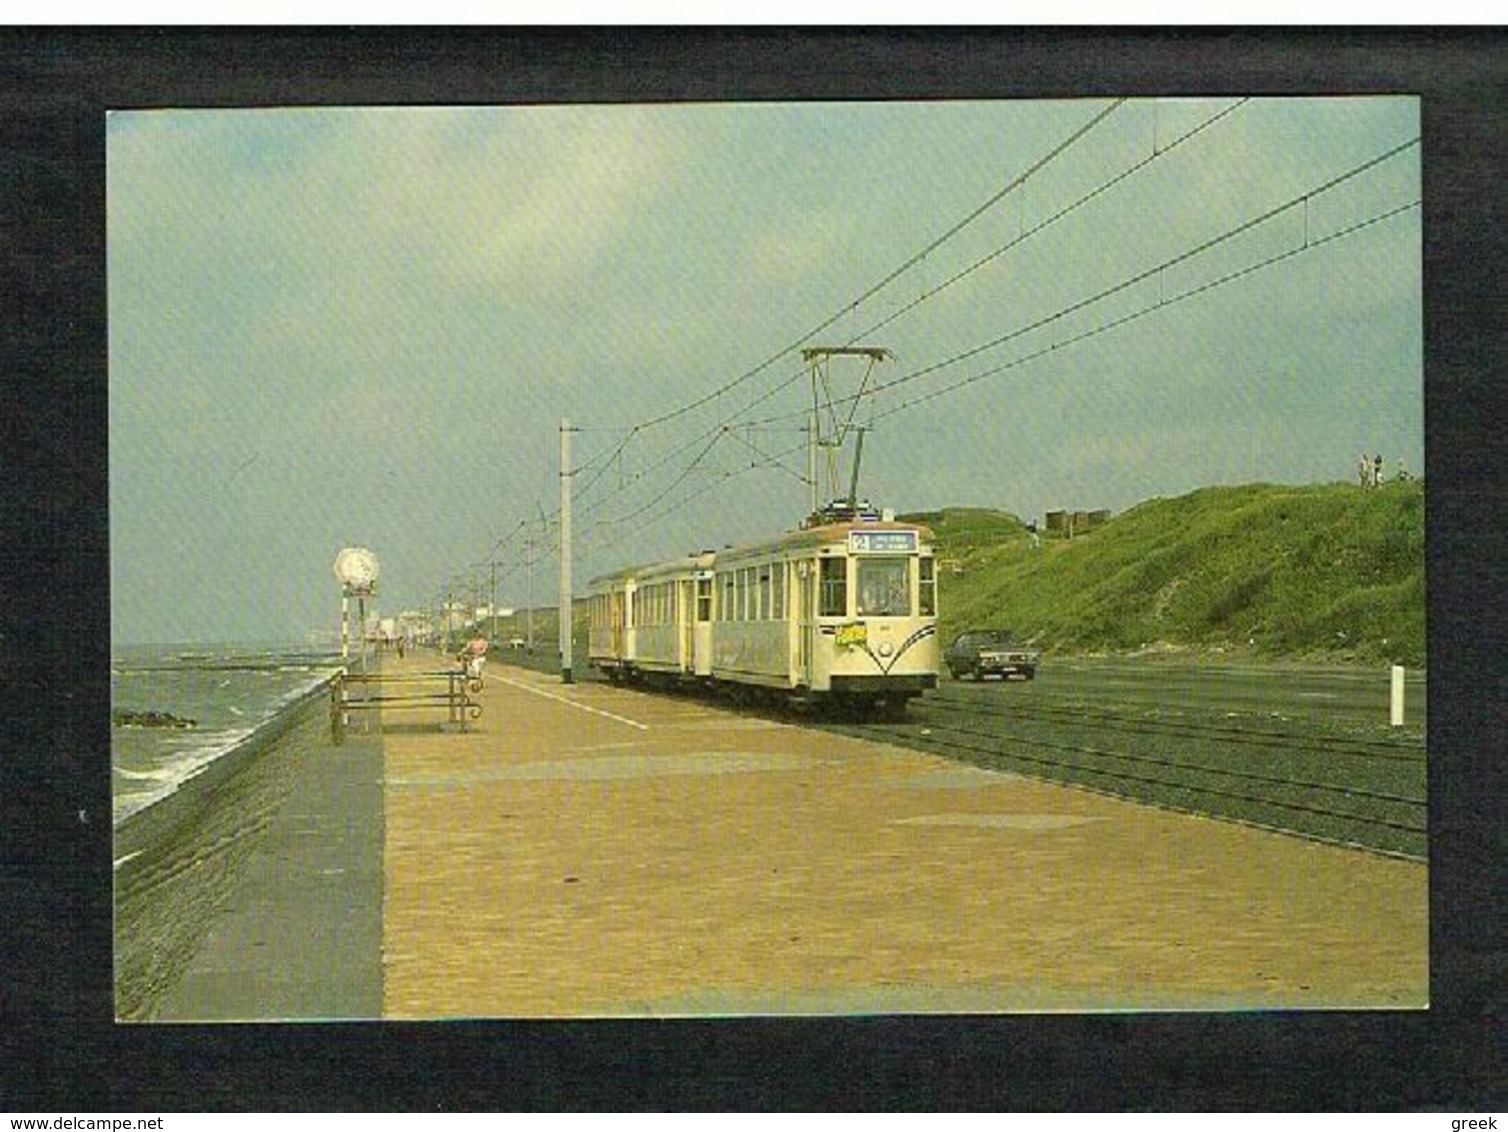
(357, 569)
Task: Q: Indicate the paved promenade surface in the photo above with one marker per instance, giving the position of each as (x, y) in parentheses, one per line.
(590, 851)
(300, 934)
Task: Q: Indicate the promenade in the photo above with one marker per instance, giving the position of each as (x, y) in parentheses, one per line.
(586, 851)
(590, 851)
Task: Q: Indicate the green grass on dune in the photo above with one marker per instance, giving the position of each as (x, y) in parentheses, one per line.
(1322, 572)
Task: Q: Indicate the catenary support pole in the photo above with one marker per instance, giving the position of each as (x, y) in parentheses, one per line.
(565, 550)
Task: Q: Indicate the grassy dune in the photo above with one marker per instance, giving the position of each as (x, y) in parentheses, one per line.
(1325, 572)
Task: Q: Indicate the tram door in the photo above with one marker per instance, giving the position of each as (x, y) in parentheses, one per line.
(701, 633)
(683, 618)
(616, 622)
(806, 574)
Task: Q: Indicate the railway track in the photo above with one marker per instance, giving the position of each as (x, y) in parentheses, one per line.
(1183, 728)
(1349, 790)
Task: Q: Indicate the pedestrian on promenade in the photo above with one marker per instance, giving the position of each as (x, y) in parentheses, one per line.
(1363, 471)
(1377, 470)
(474, 656)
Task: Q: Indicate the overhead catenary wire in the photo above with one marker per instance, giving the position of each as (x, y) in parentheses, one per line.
(1161, 304)
(852, 306)
(596, 470)
(932, 293)
(1163, 301)
(1309, 243)
(1027, 233)
(611, 458)
(896, 273)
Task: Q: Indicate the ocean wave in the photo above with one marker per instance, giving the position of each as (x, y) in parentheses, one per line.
(242, 694)
(156, 774)
(189, 759)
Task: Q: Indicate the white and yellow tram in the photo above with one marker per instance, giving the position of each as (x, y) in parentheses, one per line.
(843, 611)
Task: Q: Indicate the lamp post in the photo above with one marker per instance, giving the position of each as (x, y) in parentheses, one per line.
(356, 568)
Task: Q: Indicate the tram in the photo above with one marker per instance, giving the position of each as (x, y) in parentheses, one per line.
(841, 611)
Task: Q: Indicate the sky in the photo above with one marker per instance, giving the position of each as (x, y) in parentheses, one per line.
(364, 327)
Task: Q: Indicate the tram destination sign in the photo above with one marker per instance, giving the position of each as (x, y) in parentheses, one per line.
(882, 542)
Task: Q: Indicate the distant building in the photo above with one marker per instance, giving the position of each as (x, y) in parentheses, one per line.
(1069, 523)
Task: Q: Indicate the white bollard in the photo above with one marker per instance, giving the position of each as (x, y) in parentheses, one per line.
(1397, 697)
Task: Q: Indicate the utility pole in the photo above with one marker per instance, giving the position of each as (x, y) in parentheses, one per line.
(565, 550)
(529, 602)
(492, 601)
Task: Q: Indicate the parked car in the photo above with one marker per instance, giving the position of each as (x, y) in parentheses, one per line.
(987, 652)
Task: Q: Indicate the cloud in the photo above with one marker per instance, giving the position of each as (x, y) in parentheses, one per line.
(369, 322)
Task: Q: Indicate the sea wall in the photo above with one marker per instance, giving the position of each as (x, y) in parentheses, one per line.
(181, 856)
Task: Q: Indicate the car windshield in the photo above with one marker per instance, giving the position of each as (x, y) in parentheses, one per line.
(992, 639)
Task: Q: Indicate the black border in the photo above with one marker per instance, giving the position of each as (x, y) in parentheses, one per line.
(59, 1051)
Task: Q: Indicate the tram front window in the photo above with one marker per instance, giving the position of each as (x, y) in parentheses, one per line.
(884, 587)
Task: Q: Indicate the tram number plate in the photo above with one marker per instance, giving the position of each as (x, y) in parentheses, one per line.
(882, 542)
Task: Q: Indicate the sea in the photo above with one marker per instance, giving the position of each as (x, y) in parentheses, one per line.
(220, 696)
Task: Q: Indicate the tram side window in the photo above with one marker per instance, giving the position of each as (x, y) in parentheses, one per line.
(725, 611)
(704, 599)
(927, 587)
(834, 579)
(777, 599)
